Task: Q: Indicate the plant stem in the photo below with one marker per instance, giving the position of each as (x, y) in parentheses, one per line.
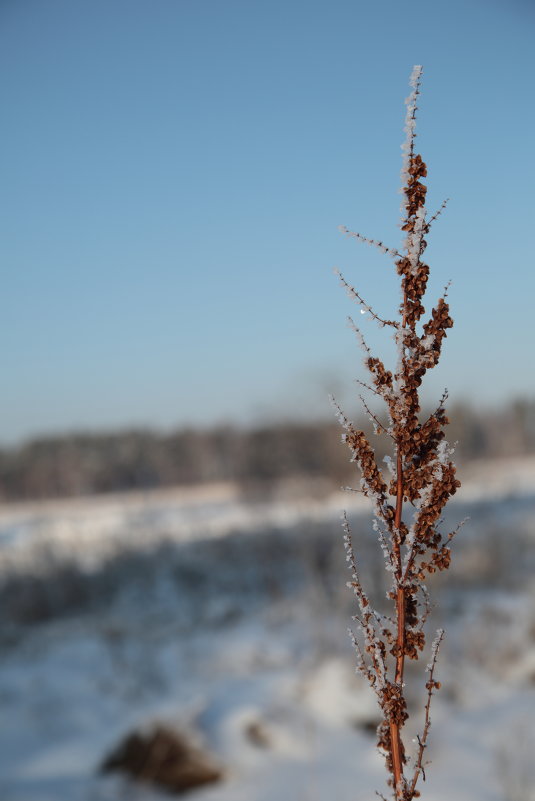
(395, 734)
(424, 477)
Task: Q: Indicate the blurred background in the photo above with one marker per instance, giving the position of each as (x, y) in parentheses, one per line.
(173, 607)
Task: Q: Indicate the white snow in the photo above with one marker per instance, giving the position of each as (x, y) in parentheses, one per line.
(272, 655)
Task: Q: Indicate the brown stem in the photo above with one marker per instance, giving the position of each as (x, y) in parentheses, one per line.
(400, 600)
(395, 734)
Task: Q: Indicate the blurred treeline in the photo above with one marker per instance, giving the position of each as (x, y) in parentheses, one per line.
(87, 463)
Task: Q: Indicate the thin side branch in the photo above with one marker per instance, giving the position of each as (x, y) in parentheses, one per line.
(430, 685)
(365, 308)
(368, 387)
(432, 219)
(374, 242)
(340, 416)
(381, 429)
(358, 333)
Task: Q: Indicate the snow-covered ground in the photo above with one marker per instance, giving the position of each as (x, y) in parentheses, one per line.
(223, 618)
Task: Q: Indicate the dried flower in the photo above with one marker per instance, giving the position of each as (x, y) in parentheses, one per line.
(422, 475)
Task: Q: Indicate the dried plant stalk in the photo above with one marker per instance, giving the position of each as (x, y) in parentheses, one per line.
(423, 480)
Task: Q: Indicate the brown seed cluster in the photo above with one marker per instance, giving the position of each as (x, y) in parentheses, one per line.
(424, 479)
(414, 281)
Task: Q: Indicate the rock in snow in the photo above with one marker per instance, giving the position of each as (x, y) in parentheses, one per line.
(165, 758)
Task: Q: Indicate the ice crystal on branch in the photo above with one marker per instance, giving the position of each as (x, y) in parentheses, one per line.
(422, 475)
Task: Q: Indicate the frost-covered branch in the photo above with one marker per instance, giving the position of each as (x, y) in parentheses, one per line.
(410, 123)
(422, 474)
(358, 333)
(364, 307)
(431, 685)
(373, 242)
(436, 215)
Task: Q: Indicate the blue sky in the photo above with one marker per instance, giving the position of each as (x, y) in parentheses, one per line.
(172, 177)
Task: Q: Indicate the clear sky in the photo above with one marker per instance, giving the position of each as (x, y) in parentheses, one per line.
(172, 178)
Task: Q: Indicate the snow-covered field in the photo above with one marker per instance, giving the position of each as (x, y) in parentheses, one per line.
(227, 621)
